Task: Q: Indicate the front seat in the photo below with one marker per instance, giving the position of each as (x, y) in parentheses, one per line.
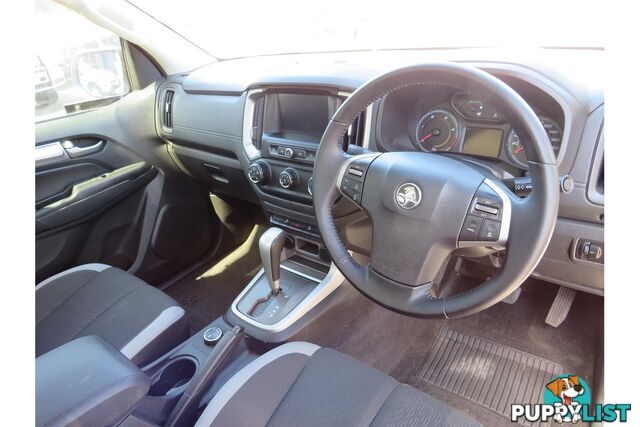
(301, 384)
(96, 299)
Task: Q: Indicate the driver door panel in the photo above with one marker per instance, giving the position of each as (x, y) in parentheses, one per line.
(107, 191)
(82, 207)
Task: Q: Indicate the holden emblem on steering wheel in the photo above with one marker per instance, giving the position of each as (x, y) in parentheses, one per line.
(408, 196)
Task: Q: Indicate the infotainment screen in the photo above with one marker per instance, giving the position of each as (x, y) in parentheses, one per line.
(301, 116)
(482, 141)
(298, 117)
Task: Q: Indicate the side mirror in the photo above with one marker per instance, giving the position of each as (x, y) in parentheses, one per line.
(100, 73)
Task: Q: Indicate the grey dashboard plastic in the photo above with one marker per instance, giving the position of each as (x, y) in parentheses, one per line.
(348, 70)
(208, 121)
(209, 110)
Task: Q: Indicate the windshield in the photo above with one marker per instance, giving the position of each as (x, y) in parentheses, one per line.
(232, 29)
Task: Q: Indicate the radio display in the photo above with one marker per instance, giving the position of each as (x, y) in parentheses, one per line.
(304, 114)
(482, 141)
(299, 116)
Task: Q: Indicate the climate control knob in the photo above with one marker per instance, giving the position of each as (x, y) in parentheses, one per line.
(288, 178)
(258, 172)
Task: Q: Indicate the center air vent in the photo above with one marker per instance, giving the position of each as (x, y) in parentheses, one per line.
(256, 124)
(355, 133)
(167, 110)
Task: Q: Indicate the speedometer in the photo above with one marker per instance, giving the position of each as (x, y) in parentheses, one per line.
(437, 131)
(515, 150)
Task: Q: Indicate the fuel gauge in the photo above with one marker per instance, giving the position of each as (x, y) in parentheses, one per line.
(515, 149)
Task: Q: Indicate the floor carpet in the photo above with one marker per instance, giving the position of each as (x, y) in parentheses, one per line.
(208, 292)
(398, 345)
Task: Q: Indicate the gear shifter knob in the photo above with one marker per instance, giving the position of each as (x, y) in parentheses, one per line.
(270, 245)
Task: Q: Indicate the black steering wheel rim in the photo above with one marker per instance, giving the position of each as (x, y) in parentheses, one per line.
(531, 221)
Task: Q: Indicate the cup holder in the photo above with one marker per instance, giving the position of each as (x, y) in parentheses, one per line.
(174, 375)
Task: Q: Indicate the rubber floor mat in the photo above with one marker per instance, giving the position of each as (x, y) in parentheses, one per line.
(487, 373)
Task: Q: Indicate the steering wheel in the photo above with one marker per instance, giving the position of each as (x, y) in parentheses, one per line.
(426, 206)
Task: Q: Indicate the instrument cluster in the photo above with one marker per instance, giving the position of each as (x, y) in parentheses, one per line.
(467, 124)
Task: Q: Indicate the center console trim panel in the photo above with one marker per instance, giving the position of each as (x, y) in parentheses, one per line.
(247, 123)
(330, 283)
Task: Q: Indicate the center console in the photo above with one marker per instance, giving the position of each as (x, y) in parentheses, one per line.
(288, 129)
(285, 294)
(283, 127)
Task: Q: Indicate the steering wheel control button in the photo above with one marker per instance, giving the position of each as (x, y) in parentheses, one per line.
(352, 188)
(212, 336)
(352, 183)
(361, 165)
(487, 209)
(471, 228)
(355, 172)
(486, 204)
(490, 231)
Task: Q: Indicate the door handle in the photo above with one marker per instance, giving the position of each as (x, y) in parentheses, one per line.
(73, 151)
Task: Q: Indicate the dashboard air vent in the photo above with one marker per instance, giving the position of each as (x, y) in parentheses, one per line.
(167, 109)
(595, 188)
(256, 125)
(355, 133)
(600, 179)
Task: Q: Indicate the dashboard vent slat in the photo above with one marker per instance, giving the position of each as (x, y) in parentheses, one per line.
(167, 109)
(257, 123)
(355, 133)
(595, 186)
(600, 181)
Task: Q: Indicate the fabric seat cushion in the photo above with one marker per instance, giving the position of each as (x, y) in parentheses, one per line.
(302, 384)
(96, 299)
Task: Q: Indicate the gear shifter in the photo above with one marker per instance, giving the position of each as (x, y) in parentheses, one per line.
(270, 245)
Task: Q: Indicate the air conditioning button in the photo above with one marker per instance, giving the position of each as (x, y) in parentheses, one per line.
(288, 153)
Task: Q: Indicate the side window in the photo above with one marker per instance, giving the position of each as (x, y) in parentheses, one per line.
(78, 65)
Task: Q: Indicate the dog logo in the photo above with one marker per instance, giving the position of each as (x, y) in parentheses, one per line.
(567, 391)
(567, 399)
(408, 196)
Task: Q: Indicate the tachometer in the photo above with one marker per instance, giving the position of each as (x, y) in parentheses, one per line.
(437, 131)
(515, 149)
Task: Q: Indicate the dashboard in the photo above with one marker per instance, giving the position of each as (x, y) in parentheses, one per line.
(249, 128)
(444, 119)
